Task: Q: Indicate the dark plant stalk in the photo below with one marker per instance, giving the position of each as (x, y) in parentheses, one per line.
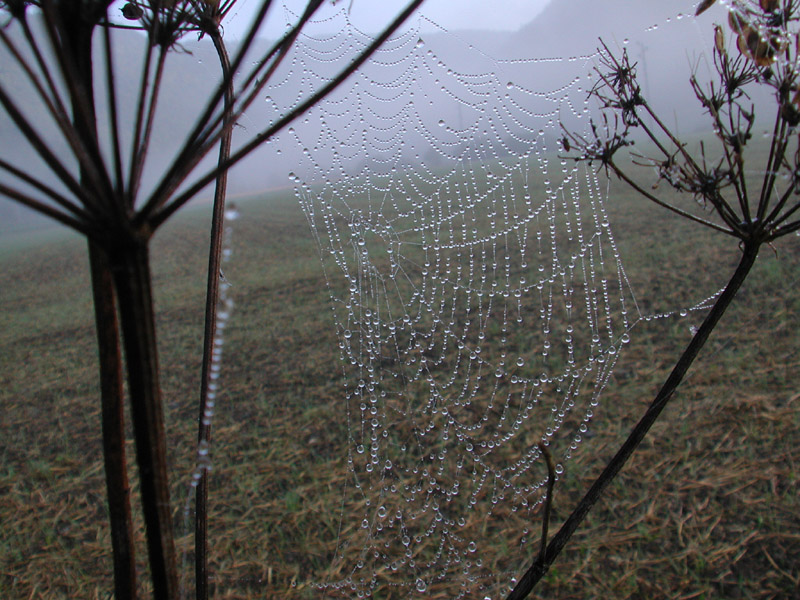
(113, 118)
(147, 64)
(639, 189)
(131, 269)
(137, 164)
(112, 400)
(542, 563)
(47, 155)
(212, 301)
(65, 26)
(548, 503)
(80, 226)
(44, 189)
(108, 343)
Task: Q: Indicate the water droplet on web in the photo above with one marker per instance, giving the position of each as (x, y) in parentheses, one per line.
(421, 585)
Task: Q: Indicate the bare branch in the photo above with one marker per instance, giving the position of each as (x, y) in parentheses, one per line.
(46, 209)
(113, 118)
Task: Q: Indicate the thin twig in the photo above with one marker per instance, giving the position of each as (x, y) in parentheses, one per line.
(113, 118)
(65, 40)
(47, 210)
(146, 135)
(137, 128)
(624, 177)
(548, 503)
(42, 149)
(212, 302)
(45, 189)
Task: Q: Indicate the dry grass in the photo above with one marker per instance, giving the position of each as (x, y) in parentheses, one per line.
(708, 508)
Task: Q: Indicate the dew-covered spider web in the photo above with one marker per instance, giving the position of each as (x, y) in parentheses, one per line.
(476, 289)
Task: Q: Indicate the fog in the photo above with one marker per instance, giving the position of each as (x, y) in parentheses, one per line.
(668, 45)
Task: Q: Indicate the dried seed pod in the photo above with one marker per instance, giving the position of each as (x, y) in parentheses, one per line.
(703, 6)
(737, 22)
(753, 46)
(132, 12)
(719, 39)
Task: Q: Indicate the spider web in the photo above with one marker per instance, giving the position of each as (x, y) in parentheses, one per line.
(476, 289)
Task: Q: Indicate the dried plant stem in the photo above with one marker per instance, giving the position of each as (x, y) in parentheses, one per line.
(212, 301)
(131, 269)
(548, 504)
(112, 400)
(112, 396)
(544, 560)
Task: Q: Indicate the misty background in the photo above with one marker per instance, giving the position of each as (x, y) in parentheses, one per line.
(445, 101)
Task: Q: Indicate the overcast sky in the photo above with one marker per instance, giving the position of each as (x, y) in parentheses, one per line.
(371, 15)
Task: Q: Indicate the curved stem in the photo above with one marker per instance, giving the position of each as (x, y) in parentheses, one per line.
(212, 300)
(548, 503)
(624, 177)
(542, 563)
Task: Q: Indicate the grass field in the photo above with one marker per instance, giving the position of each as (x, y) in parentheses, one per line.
(709, 507)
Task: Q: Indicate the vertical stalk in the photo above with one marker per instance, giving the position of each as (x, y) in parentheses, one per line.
(79, 42)
(542, 563)
(113, 425)
(212, 299)
(131, 270)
